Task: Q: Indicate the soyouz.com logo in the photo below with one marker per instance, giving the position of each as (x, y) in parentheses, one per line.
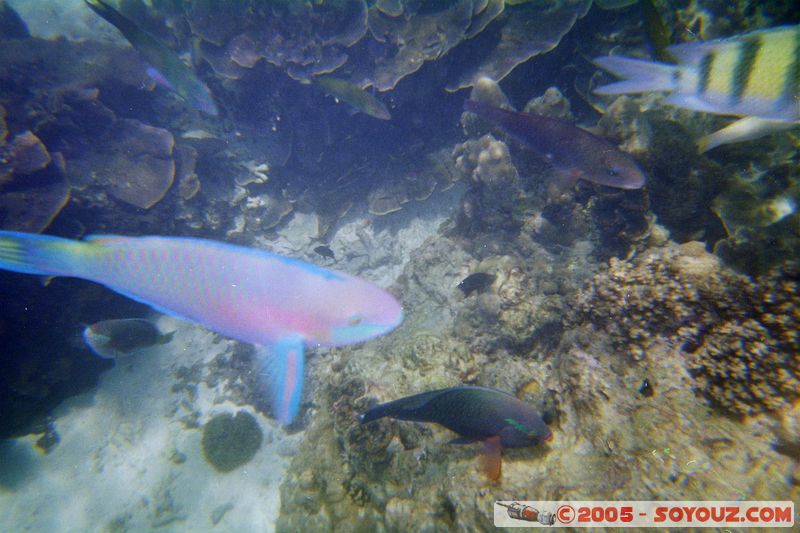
(644, 514)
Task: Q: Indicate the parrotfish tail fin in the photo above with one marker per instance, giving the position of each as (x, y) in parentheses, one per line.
(404, 408)
(30, 253)
(744, 129)
(281, 371)
(640, 75)
(491, 458)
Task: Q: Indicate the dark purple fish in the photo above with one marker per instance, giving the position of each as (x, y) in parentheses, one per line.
(475, 413)
(574, 152)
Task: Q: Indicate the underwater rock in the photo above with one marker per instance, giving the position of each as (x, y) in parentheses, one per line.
(304, 38)
(511, 313)
(185, 171)
(608, 437)
(413, 39)
(488, 91)
(30, 205)
(551, 104)
(494, 185)
(221, 61)
(265, 212)
(681, 184)
(740, 337)
(25, 154)
(387, 198)
(758, 211)
(230, 441)
(529, 29)
(133, 162)
(750, 364)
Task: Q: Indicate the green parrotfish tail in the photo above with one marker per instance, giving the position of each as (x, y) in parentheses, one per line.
(243, 293)
(165, 67)
(353, 95)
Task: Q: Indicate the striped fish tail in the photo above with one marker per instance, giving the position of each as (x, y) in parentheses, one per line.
(44, 255)
(639, 75)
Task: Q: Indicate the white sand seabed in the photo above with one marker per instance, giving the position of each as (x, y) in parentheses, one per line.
(116, 461)
(126, 461)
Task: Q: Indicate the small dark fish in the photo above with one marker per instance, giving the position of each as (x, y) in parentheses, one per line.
(325, 251)
(476, 282)
(125, 336)
(574, 152)
(475, 413)
(646, 389)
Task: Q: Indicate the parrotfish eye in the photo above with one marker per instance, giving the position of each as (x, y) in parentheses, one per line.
(355, 320)
(613, 171)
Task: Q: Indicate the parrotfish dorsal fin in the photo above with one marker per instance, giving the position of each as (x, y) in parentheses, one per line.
(104, 240)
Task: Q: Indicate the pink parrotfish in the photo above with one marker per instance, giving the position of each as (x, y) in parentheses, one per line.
(278, 303)
(164, 65)
(573, 152)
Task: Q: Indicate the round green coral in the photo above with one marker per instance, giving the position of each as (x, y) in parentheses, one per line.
(230, 441)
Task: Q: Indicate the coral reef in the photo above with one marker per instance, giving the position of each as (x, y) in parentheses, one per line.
(740, 337)
(486, 164)
(229, 441)
(529, 29)
(133, 162)
(609, 439)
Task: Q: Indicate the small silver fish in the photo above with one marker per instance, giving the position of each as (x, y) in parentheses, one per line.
(111, 339)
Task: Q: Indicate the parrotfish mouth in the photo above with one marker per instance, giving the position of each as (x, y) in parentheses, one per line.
(548, 437)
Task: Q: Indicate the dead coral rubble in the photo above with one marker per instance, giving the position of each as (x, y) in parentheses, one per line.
(741, 337)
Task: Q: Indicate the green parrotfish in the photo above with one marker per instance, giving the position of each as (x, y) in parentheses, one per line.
(353, 95)
(495, 417)
(122, 337)
(164, 65)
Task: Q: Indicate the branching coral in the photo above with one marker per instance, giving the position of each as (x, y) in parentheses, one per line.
(741, 337)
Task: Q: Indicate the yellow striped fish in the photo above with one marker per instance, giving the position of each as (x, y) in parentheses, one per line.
(754, 75)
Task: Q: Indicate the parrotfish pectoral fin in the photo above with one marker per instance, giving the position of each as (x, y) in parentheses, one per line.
(491, 458)
(744, 129)
(639, 75)
(281, 369)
